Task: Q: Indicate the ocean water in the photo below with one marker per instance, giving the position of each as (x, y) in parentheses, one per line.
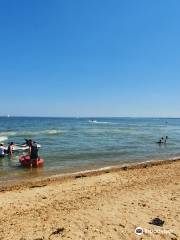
(73, 144)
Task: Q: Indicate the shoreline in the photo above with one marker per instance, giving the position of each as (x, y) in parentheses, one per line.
(40, 181)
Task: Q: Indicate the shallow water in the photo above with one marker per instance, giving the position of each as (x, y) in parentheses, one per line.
(73, 144)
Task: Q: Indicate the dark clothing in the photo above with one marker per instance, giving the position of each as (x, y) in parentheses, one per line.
(34, 151)
(9, 149)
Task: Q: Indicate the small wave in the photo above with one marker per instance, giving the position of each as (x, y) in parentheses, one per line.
(104, 123)
(29, 133)
(98, 122)
(8, 134)
(92, 121)
(3, 138)
(174, 158)
(51, 132)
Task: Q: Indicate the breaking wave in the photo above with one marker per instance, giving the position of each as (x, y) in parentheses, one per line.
(99, 122)
(3, 138)
(5, 135)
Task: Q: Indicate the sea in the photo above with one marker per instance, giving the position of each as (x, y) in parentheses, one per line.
(77, 144)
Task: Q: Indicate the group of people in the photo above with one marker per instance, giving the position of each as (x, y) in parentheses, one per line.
(33, 149)
(8, 150)
(163, 140)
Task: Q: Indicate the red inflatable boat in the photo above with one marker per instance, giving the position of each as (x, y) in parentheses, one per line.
(25, 161)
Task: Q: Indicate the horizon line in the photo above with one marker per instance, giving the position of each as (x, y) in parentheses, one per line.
(37, 116)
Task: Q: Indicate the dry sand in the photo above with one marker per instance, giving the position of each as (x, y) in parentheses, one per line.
(106, 205)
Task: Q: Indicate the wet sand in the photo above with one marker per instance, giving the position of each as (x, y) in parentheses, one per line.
(104, 204)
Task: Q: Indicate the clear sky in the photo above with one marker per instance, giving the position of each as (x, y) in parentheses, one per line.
(90, 57)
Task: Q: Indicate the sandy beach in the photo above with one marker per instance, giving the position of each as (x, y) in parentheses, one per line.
(108, 204)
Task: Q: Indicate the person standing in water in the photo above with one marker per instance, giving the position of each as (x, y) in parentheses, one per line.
(166, 138)
(2, 150)
(10, 149)
(33, 151)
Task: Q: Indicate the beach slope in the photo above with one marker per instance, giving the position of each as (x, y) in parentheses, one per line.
(109, 205)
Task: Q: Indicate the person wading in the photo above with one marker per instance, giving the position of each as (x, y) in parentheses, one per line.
(33, 151)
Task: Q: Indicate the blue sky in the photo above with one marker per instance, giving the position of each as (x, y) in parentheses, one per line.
(90, 58)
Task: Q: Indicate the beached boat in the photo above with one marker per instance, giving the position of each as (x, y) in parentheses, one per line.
(25, 162)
